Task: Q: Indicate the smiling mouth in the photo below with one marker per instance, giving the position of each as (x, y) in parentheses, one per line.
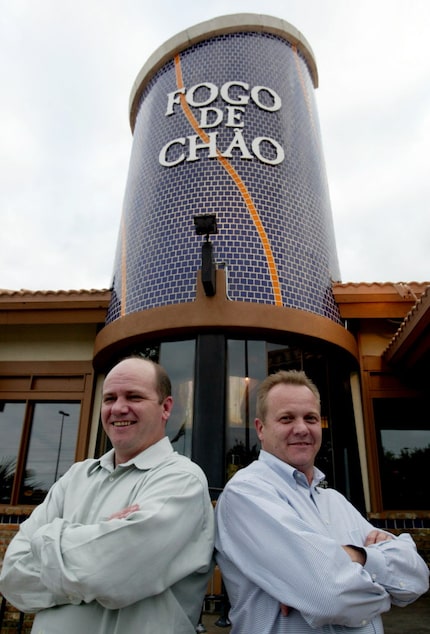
(123, 423)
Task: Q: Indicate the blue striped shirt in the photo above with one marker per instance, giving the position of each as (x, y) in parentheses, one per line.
(279, 541)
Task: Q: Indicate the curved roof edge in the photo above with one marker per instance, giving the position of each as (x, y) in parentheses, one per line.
(234, 23)
(218, 314)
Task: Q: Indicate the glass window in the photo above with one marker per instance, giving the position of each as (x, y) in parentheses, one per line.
(177, 357)
(11, 421)
(42, 428)
(246, 368)
(403, 429)
(283, 357)
(248, 363)
(51, 449)
(38, 444)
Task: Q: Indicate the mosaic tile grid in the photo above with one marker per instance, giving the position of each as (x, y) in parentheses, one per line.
(163, 252)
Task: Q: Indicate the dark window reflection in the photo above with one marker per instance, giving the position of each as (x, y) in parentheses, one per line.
(177, 357)
(403, 427)
(11, 421)
(51, 449)
(249, 362)
(246, 368)
(283, 357)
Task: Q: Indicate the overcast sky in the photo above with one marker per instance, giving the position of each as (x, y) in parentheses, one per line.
(67, 68)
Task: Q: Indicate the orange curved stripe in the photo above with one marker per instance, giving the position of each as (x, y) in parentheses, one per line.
(239, 184)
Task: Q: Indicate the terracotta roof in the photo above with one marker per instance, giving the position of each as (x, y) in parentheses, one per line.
(406, 290)
(367, 300)
(409, 339)
(36, 307)
(27, 293)
(379, 284)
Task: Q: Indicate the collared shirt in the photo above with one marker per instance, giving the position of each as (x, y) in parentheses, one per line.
(82, 572)
(278, 541)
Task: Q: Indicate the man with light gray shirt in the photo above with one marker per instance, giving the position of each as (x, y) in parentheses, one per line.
(122, 544)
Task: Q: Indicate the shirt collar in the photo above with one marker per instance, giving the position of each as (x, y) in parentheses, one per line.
(147, 459)
(293, 476)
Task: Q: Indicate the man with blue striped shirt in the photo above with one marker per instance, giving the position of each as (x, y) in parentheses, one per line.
(295, 557)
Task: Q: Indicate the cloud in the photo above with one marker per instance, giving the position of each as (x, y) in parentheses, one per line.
(67, 70)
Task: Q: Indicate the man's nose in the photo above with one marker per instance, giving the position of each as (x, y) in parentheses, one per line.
(120, 405)
(300, 426)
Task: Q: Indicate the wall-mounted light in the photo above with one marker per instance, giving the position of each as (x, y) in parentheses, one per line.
(206, 225)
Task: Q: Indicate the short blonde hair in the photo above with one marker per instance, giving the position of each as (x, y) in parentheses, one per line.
(287, 377)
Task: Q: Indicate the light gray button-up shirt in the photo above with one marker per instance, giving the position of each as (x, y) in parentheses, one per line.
(82, 572)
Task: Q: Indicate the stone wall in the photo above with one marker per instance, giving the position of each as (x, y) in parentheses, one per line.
(12, 621)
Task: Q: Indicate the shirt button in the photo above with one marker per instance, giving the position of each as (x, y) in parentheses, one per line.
(111, 479)
(363, 622)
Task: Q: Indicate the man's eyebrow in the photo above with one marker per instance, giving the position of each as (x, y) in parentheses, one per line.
(313, 413)
(126, 392)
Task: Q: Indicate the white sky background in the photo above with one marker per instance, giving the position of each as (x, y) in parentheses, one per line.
(66, 71)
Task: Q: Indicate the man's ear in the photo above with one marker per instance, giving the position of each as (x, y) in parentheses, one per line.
(167, 407)
(259, 425)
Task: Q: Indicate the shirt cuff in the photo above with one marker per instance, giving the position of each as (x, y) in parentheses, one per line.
(375, 564)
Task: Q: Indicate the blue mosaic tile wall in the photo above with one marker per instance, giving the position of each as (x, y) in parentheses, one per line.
(159, 247)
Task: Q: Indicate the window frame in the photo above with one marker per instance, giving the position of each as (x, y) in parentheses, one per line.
(46, 381)
(379, 381)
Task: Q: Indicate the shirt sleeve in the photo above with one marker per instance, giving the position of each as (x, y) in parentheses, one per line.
(20, 580)
(291, 561)
(396, 565)
(118, 562)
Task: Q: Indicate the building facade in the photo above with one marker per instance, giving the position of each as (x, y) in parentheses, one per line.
(226, 254)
